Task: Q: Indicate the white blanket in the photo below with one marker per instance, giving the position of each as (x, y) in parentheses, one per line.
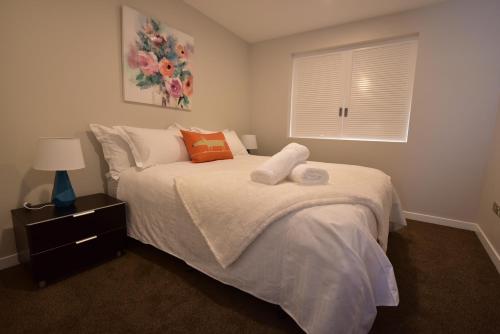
(322, 264)
(231, 211)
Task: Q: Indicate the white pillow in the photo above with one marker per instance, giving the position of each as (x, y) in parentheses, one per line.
(116, 150)
(235, 144)
(154, 146)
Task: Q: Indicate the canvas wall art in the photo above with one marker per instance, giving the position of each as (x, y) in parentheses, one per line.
(157, 62)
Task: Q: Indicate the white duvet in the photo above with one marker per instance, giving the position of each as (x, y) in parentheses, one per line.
(217, 202)
(321, 264)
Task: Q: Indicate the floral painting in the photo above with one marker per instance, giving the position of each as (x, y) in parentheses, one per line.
(157, 62)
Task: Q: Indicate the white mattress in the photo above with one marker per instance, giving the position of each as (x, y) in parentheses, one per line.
(322, 265)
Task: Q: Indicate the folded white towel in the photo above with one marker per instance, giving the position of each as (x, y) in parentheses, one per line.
(308, 175)
(276, 168)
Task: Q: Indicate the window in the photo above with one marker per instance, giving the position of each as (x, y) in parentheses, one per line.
(357, 94)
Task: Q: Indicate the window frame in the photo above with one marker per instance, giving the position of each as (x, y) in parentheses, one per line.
(351, 48)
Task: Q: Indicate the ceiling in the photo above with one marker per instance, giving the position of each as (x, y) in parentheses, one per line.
(258, 20)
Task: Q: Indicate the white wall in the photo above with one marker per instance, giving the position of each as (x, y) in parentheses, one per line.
(61, 70)
(440, 170)
(489, 222)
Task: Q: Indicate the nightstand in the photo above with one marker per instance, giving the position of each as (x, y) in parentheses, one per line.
(56, 242)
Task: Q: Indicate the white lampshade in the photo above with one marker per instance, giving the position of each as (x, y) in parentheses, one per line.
(250, 141)
(58, 154)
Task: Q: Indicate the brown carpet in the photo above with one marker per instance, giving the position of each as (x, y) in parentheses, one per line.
(446, 281)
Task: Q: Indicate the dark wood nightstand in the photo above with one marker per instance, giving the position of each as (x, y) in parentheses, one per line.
(56, 242)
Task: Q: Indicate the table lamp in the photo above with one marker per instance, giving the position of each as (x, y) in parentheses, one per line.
(250, 142)
(60, 155)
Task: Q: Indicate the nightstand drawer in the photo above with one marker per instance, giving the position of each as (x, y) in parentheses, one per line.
(68, 229)
(68, 258)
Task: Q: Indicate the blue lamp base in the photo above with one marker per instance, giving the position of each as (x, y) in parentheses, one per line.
(62, 193)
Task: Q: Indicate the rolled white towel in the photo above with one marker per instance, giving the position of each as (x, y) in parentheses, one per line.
(301, 151)
(308, 175)
(277, 167)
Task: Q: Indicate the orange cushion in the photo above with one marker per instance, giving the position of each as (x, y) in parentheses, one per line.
(203, 147)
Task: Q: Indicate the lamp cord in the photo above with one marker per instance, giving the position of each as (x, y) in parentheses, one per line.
(28, 205)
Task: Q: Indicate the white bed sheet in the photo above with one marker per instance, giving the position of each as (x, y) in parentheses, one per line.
(322, 265)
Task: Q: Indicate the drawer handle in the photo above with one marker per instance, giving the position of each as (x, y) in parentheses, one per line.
(86, 239)
(83, 213)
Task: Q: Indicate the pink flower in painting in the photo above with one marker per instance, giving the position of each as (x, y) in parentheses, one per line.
(188, 86)
(147, 62)
(166, 68)
(157, 40)
(132, 58)
(175, 88)
(179, 49)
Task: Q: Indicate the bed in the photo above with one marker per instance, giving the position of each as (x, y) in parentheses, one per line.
(325, 265)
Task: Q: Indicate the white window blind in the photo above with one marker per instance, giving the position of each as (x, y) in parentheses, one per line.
(318, 90)
(358, 94)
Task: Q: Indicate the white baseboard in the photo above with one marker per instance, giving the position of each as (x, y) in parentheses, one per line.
(494, 256)
(8, 261)
(464, 225)
(469, 226)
